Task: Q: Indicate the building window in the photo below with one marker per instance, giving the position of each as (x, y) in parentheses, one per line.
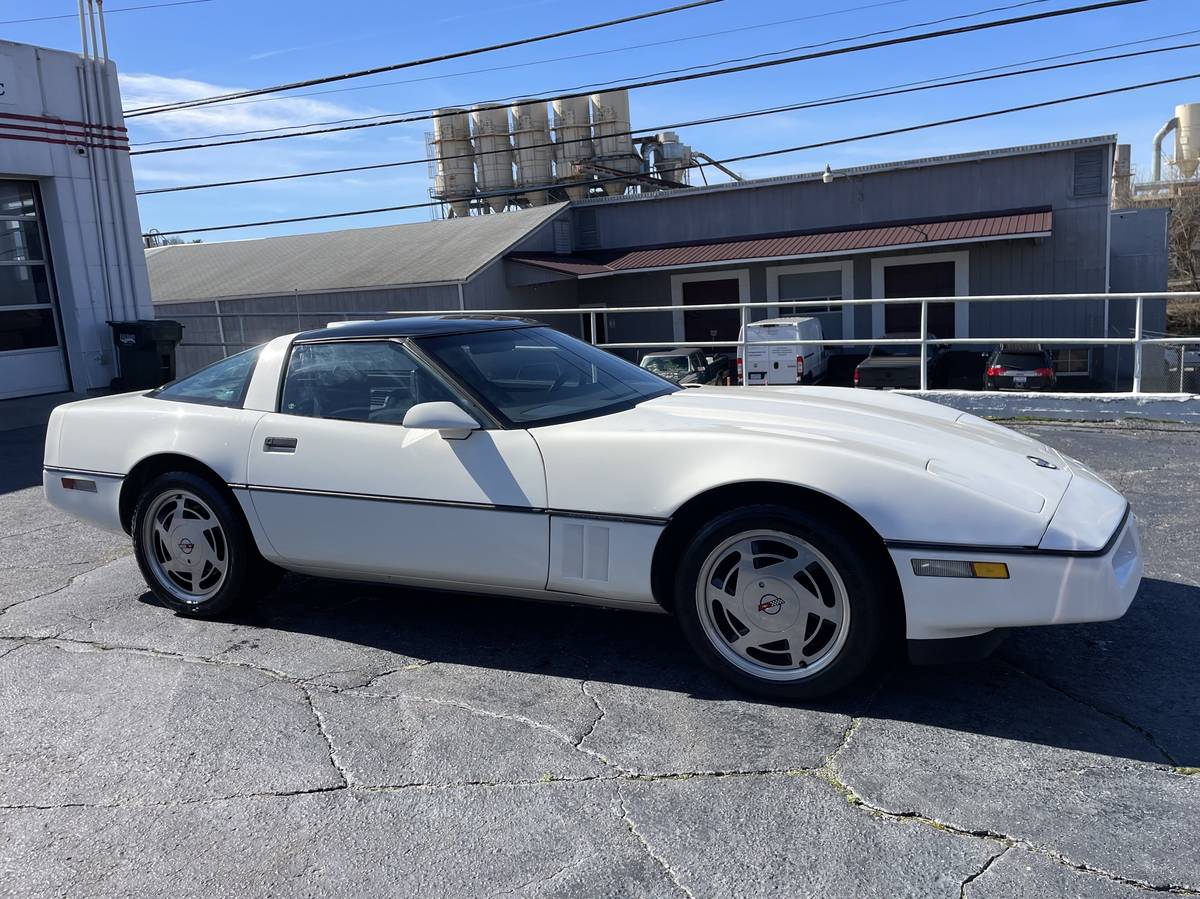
(1072, 361)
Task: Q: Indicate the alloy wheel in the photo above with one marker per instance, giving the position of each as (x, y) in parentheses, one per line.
(186, 546)
(773, 605)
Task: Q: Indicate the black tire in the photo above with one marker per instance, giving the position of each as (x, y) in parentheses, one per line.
(245, 572)
(865, 593)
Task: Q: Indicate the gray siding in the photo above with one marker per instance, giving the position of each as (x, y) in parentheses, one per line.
(967, 188)
(1138, 262)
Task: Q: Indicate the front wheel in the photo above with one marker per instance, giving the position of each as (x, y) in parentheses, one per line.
(192, 545)
(780, 602)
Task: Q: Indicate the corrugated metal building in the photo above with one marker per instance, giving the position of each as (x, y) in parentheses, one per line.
(1021, 220)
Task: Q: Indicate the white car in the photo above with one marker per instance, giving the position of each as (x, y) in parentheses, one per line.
(793, 533)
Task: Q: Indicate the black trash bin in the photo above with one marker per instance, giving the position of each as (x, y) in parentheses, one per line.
(145, 352)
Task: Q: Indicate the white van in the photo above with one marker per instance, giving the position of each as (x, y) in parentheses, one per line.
(787, 364)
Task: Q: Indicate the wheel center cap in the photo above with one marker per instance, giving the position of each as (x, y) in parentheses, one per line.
(771, 604)
(186, 546)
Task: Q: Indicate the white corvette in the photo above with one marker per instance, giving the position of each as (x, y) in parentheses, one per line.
(793, 532)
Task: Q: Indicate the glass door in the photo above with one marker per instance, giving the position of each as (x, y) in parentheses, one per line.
(31, 354)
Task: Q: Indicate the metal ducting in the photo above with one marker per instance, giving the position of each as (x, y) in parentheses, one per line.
(1186, 125)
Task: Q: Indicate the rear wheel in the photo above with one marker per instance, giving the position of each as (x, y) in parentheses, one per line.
(780, 602)
(193, 546)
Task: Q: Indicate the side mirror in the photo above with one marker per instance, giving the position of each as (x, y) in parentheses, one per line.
(452, 421)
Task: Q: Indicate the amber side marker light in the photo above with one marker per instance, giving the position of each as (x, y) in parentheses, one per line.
(79, 484)
(955, 568)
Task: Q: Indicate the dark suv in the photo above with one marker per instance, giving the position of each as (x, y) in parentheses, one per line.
(1019, 367)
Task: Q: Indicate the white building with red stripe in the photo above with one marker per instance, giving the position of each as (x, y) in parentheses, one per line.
(71, 257)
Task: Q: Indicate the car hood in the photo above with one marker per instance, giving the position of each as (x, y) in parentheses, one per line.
(987, 459)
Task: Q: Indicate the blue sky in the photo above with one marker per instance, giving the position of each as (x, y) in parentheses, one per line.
(223, 45)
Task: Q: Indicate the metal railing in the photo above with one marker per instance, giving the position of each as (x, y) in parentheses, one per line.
(1137, 339)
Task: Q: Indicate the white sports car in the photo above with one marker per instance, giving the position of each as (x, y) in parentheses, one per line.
(794, 532)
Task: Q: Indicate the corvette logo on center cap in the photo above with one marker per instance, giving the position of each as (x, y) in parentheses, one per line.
(770, 604)
(186, 545)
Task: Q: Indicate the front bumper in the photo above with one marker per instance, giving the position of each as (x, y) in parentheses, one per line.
(1043, 587)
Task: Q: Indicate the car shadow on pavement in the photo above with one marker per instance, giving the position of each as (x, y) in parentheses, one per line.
(21, 458)
(1127, 689)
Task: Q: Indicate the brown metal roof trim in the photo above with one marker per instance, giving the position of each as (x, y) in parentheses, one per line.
(1004, 226)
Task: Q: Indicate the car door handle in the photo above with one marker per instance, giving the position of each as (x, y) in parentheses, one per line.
(279, 445)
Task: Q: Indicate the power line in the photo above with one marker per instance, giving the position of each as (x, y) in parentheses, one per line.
(895, 90)
(574, 56)
(72, 15)
(361, 73)
(592, 85)
(732, 159)
(837, 51)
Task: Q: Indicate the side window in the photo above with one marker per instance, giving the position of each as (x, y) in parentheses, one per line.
(357, 381)
(223, 383)
(699, 362)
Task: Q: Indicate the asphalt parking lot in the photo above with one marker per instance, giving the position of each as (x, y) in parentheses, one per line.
(347, 739)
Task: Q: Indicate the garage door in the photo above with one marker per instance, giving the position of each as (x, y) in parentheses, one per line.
(31, 354)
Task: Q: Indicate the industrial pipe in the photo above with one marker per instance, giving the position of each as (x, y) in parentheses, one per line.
(1166, 129)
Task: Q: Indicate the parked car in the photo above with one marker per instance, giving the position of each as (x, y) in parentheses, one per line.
(687, 366)
(760, 363)
(899, 366)
(1183, 374)
(1019, 367)
(794, 534)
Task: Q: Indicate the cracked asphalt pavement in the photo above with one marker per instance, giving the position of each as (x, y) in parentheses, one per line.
(349, 739)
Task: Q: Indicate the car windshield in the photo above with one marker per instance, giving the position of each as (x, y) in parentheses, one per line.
(666, 365)
(539, 376)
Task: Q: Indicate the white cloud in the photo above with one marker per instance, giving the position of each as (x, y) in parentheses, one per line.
(139, 90)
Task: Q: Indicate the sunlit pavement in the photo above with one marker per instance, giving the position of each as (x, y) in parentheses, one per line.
(348, 739)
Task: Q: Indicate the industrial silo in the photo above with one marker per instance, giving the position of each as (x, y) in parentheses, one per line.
(493, 153)
(611, 138)
(572, 137)
(455, 178)
(532, 149)
(1187, 138)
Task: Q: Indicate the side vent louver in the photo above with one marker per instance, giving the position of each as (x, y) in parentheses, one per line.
(562, 237)
(1089, 172)
(586, 229)
(585, 552)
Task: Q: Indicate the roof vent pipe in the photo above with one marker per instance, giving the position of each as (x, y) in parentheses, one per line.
(1166, 129)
